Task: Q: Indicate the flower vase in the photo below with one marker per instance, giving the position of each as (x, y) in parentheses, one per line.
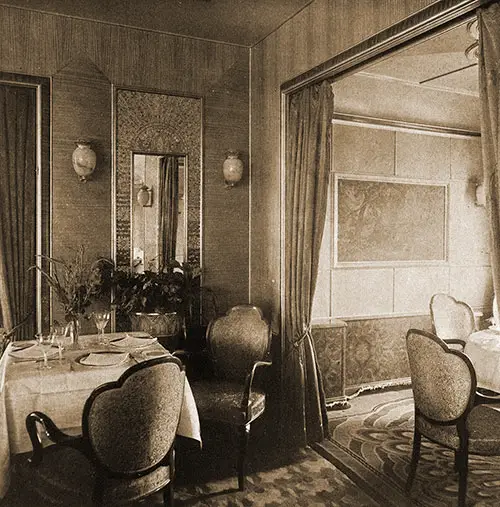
(73, 332)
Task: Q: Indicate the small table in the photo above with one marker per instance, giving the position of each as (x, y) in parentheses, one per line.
(483, 349)
(61, 393)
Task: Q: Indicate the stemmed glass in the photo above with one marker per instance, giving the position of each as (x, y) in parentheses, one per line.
(101, 319)
(58, 335)
(45, 342)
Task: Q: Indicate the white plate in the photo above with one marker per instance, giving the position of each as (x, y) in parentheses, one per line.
(133, 342)
(30, 353)
(103, 359)
(495, 328)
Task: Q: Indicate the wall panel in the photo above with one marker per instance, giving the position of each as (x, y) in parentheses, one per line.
(44, 44)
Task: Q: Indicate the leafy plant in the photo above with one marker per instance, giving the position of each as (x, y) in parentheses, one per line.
(76, 282)
(174, 288)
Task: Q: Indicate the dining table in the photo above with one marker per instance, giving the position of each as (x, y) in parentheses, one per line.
(62, 390)
(483, 349)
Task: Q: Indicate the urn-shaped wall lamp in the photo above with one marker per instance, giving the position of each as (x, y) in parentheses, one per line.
(232, 168)
(145, 196)
(480, 197)
(84, 160)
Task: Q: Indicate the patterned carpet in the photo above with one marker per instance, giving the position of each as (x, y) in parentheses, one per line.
(208, 478)
(371, 442)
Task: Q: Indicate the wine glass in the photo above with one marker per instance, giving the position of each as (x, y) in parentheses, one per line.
(59, 335)
(45, 342)
(101, 319)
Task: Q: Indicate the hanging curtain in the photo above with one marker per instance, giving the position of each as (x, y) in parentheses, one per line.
(168, 205)
(306, 182)
(18, 208)
(489, 80)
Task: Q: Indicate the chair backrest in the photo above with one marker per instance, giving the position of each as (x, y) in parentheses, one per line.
(451, 319)
(237, 340)
(131, 423)
(443, 380)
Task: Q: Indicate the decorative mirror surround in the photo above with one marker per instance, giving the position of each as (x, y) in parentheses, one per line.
(155, 123)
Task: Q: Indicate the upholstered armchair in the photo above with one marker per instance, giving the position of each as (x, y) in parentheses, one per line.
(128, 433)
(448, 409)
(452, 320)
(238, 344)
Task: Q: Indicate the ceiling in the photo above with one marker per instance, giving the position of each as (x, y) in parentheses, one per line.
(241, 22)
(439, 62)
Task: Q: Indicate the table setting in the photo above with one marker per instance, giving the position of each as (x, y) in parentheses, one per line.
(52, 375)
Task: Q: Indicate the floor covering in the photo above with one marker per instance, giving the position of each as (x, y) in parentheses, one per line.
(371, 443)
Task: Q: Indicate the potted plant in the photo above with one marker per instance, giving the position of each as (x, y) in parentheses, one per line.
(163, 303)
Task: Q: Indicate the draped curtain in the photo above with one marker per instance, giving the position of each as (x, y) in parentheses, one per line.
(489, 77)
(168, 205)
(17, 208)
(306, 191)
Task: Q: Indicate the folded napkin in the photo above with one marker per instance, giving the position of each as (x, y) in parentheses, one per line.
(30, 353)
(104, 359)
(133, 342)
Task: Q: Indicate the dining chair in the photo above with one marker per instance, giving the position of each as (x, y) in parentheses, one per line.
(238, 344)
(452, 320)
(448, 409)
(128, 435)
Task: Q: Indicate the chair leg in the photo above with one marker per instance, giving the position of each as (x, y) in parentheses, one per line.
(168, 492)
(244, 437)
(463, 468)
(415, 456)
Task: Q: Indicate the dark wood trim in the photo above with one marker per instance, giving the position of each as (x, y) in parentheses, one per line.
(416, 27)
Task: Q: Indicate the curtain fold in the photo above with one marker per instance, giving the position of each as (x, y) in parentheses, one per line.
(308, 147)
(18, 208)
(168, 205)
(489, 78)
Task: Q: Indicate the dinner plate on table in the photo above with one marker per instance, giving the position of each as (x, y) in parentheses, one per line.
(30, 351)
(129, 341)
(103, 359)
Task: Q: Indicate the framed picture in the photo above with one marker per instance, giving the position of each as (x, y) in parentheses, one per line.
(389, 221)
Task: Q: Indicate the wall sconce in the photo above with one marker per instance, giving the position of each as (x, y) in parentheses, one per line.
(145, 196)
(480, 195)
(232, 168)
(84, 160)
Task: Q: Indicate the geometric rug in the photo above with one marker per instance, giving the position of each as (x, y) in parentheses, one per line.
(372, 441)
(207, 477)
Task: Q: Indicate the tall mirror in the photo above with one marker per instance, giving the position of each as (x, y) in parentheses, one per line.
(158, 210)
(158, 179)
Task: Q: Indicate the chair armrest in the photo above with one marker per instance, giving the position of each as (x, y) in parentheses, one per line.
(249, 384)
(52, 432)
(482, 398)
(455, 341)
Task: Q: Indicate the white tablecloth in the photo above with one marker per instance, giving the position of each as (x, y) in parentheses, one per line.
(61, 392)
(483, 349)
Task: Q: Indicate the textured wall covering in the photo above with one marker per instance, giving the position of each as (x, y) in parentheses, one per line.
(43, 44)
(376, 349)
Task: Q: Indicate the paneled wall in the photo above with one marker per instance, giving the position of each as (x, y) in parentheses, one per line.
(319, 32)
(43, 44)
(404, 287)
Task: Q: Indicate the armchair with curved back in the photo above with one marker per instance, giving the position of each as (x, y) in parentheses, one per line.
(238, 344)
(128, 434)
(452, 320)
(448, 409)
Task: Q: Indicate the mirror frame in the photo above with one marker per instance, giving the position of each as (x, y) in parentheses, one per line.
(153, 122)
